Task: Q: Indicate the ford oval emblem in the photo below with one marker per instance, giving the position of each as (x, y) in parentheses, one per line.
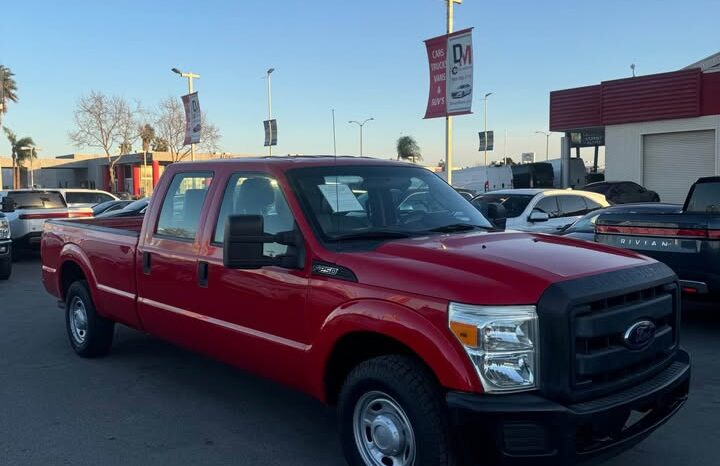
(639, 335)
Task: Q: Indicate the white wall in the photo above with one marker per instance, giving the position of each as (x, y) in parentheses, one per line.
(624, 151)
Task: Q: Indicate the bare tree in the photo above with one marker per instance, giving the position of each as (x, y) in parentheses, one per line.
(105, 122)
(170, 128)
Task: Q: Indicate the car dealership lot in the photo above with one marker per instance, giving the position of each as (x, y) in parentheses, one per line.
(152, 403)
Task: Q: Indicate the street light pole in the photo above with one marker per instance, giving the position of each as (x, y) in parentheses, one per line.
(448, 119)
(33, 151)
(485, 118)
(361, 131)
(269, 92)
(547, 141)
(190, 76)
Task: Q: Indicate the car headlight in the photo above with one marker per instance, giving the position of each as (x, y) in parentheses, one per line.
(4, 229)
(501, 341)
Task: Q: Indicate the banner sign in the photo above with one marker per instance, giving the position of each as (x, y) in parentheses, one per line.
(451, 74)
(487, 142)
(588, 138)
(193, 124)
(270, 132)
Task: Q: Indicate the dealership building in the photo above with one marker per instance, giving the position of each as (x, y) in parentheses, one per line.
(661, 130)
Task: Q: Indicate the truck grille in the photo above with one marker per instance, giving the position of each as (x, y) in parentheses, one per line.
(603, 360)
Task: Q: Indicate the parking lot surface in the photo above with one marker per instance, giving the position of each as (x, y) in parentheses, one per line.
(151, 403)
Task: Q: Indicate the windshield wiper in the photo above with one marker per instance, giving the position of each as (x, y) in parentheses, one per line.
(371, 234)
(453, 227)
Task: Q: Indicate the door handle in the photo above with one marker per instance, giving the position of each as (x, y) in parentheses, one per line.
(146, 263)
(202, 274)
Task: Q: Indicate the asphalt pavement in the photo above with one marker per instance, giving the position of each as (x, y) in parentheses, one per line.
(150, 403)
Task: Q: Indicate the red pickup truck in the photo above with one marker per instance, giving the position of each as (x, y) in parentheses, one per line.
(441, 339)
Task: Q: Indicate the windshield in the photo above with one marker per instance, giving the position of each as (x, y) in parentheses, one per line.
(514, 204)
(86, 197)
(37, 199)
(586, 223)
(381, 202)
(705, 198)
(601, 188)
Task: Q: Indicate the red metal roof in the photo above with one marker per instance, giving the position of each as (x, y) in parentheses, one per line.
(678, 94)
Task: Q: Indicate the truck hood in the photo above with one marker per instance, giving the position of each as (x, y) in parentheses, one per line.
(484, 268)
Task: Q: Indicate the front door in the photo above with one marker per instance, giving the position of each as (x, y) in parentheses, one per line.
(258, 315)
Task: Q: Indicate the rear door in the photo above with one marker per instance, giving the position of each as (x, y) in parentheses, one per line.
(167, 279)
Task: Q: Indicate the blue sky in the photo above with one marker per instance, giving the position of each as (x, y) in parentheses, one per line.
(363, 58)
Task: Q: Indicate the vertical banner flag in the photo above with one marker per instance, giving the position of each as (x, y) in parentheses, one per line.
(270, 132)
(451, 74)
(487, 141)
(193, 124)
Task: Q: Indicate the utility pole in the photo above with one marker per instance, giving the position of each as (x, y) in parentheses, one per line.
(448, 119)
(269, 92)
(361, 131)
(190, 76)
(334, 141)
(547, 141)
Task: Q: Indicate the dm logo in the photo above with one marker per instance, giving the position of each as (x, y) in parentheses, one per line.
(639, 335)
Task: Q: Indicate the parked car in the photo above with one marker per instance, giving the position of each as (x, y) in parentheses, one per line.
(466, 193)
(623, 192)
(27, 210)
(85, 197)
(688, 241)
(435, 335)
(131, 209)
(542, 210)
(5, 248)
(109, 206)
(584, 227)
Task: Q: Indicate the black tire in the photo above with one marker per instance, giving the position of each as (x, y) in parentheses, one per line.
(412, 386)
(5, 268)
(93, 338)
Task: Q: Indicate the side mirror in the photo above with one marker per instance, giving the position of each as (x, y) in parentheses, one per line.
(243, 244)
(538, 216)
(497, 214)
(8, 204)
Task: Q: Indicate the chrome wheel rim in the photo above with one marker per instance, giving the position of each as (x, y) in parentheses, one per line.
(383, 433)
(78, 320)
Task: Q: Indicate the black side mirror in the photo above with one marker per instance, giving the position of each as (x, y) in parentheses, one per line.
(244, 238)
(497, 214)
(8, 204)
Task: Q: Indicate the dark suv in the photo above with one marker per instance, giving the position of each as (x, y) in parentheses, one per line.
(622, 192)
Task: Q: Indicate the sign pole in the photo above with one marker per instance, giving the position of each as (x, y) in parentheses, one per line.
(448, 119)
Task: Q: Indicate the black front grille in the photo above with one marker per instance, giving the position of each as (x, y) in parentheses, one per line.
(602, 359)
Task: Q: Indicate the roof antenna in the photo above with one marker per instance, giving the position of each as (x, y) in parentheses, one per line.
(632, 67)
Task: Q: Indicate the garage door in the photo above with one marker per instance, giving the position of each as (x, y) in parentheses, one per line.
(673, 161)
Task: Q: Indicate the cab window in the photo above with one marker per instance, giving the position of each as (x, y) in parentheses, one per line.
(256, 194)
(182, 206)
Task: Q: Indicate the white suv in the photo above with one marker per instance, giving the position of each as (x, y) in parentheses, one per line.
(541, 210)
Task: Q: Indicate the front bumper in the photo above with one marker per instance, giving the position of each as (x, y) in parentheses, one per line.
(5, 248)
(527, 429)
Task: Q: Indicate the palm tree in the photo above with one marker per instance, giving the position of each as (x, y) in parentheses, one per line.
(408, 149)
(8, 89)
(147, 135)
(12, 139)
(24, 155)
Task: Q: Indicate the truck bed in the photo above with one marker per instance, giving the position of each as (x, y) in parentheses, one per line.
(105, 249)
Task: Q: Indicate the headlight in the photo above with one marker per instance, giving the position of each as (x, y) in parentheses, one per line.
(4, 228)
(501, 342)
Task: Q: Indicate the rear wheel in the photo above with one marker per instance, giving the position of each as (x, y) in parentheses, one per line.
(90, 334)
(5, 268)
(392, 413)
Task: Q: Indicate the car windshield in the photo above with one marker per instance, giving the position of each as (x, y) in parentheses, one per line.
(37, 199)
(381, 202)
(586, 223)
(514, 204)
(601, 188)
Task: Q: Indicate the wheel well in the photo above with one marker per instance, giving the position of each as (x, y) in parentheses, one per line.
(353, 349)
(70, 272)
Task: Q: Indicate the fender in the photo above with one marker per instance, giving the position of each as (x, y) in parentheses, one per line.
(437, 349)
(71, 252)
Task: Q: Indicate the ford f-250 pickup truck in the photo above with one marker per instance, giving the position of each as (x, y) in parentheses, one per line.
(688, 240)
(441, 339)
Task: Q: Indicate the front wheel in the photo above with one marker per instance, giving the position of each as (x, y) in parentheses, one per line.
(90, 334)
(392, 413)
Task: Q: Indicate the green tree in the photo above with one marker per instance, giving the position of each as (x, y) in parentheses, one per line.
(8, 89)
(18, 154)
(160, 145)
(408, 149)
(12, 139)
